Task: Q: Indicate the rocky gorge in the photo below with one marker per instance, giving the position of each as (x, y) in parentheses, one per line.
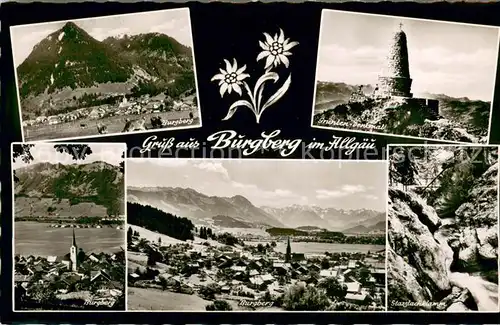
(442, 258)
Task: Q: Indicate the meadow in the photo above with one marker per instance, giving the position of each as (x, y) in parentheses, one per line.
(114, 124)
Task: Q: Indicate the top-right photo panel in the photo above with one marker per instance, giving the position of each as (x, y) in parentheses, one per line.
(408, 77)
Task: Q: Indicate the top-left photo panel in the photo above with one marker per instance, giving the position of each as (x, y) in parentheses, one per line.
(101, 76)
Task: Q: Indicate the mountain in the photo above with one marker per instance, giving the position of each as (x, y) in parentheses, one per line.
(93, 189)
(458, 113)
(379, 227)
(299, 216)
(236, 211)
(330, 94)
(69, 63)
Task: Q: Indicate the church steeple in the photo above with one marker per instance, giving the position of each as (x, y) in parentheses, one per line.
(73, 253)
(288, 256)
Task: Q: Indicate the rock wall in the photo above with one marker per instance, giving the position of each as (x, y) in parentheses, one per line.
(445, 260)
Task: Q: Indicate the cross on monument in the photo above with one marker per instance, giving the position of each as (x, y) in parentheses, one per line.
(401, 26)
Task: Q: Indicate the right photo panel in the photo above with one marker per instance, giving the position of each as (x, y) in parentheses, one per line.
(443, 228)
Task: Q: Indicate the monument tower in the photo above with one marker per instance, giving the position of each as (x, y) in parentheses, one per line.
(395, 79)
(74, 254)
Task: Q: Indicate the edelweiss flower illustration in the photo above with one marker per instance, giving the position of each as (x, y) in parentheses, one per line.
(231, 78)
(276, 49)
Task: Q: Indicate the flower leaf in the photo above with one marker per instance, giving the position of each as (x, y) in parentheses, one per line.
(249, 92)
(278, 94)
(259, 86)
(236, 104)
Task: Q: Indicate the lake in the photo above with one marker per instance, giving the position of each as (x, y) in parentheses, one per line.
(314, 248)
(33, 238)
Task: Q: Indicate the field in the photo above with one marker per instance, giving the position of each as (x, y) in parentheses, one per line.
(166, 240)
(32, 238)
(114, 124)
(32, 206)
(153, 299)
(313, 248)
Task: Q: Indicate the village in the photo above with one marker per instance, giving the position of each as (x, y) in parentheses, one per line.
(242, 277)
(142, 105)
(73, 281)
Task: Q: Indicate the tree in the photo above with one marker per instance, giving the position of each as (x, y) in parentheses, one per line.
(364, 275)
(129, 234)
(325, 264)
(219, 305)
(334, 290)
(159, 241)
(305, 298)
(153, 257)
(402, 167)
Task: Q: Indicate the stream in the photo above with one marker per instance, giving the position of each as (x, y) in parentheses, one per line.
(484, 293)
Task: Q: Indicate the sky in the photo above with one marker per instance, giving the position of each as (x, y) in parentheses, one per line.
(457, 60)
(339, 184)
(110, 153)
(174, 23)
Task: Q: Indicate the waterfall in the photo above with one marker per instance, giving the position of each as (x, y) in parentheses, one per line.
(484, 293)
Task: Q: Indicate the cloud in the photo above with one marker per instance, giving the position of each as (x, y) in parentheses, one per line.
(345, 190)
(326, 194)
(351, 189)
(253, 190)
(434, 69)
(102, 33)
(370, 197)
(163, 162)
(214, 167)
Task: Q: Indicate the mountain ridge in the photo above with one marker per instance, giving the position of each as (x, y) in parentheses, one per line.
(69, 63)
(202, 208)
(46, 184)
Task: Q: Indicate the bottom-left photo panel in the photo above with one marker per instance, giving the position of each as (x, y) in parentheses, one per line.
(69, 226)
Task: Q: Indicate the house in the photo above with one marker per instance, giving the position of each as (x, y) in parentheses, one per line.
(255, 265)
(298, 257)
(93, 258)
(51, 259)
(378, 274)
(353, 287)
(328, 273)
(253, 272)
(352, 264)
(314, 267)
(238, 268)
(102, 275)
(356, 298)
(267, 278)
(257, 280)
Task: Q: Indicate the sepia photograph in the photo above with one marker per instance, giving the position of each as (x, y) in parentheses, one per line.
(403, 76)
(107, 75)
(443, 228)
(255, 235)
(69, 226)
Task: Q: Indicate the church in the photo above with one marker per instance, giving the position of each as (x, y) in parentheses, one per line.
(70, 259)
(292, 257)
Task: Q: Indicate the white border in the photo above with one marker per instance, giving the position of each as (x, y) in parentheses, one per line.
(393, 134)
(498, 224)
(199, 125)
(13, 226)
(339, 162)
